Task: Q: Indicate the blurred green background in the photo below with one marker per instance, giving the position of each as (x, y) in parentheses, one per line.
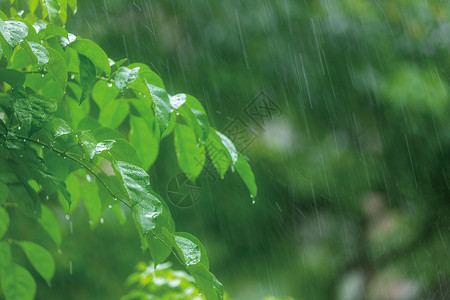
(341, 107)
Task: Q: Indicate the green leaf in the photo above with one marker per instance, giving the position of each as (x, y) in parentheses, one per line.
(22, 57)
(135, 181)
(145, 139)
(5, 255)
(88, 143)
(218, 153)
(230, 147)
(50, 224)
(63, 11)
(91, 200)
(147, 212)
(160, 245)
(94, 53)
(113, 114)
(103, 93)
(57, 67)
(109, 197)
(246, 174)
(147, 208)
(52, 8)
(41, 54)
(72, 5)
(105, 133)
(40, 259)
(52, 29)
(124, 77)
(4, 221)
(193, 113)
(32, 5)
(34, 111)
(26, 199)
(3, 16)
(206, 282)
(87, 77)
(73, 187)
(162, 105)
(124, 151)
(190, 154)
(147, 75)
(14, 78)
(17, 283)
(103, 146)
(58, 127)
(190, 249)
(14, 32)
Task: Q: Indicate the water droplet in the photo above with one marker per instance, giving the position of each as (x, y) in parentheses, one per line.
(59, 251)
(67, 217)
(47, 198)
(177, 113)
(24, 140)
(37, 140)
(253, 202)
(110, 206)
(19, 127)
(42, 75)
(91, 222)
(101, 220)
(42, 147)
(64, 157)
(72, 77)
(20, 155)
(109, 84)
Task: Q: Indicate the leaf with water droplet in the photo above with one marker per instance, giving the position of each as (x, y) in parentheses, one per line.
(246, 174)
(124, 77)
(14, 32)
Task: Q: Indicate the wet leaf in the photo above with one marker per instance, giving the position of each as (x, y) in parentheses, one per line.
(244, 170)
(124, 77)
(14, 32)
(92, 51)
(190, 154)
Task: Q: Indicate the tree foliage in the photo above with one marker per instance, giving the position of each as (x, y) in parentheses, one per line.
(76, 125)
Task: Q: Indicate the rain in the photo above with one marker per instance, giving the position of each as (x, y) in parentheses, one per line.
(342, 110)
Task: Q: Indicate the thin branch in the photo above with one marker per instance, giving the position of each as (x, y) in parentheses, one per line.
(115, 196)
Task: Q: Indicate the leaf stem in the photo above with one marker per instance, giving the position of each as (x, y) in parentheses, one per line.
(85, 166)
(80, 162)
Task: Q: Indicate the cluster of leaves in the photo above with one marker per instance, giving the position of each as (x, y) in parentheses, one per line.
(160, 282)
(75, 125)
